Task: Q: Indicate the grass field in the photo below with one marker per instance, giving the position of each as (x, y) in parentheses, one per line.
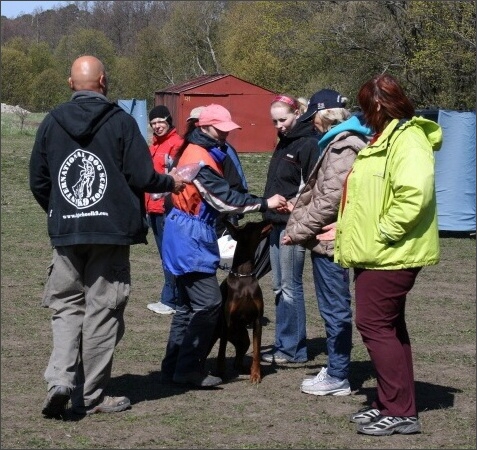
(274, 414)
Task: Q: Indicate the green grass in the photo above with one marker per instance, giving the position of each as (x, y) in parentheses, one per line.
(12, 126)
(441, 320)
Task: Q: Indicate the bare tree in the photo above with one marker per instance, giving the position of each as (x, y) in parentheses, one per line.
(22, 114)
(193, 28)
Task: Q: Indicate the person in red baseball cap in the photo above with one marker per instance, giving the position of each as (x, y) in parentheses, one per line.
(190, 248)
(217, 116)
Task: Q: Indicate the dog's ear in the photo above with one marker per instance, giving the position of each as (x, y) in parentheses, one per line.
(231, 228)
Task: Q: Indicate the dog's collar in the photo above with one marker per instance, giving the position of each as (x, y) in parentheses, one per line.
(240, 275)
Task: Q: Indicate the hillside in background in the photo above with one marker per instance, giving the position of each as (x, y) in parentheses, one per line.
(297, 47)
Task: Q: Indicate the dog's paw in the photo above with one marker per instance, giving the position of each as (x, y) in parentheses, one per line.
(255, 378)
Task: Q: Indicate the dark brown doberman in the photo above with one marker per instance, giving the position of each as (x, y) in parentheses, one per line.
(242, 300)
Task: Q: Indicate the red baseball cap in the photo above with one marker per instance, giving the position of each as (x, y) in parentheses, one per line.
(217, 116)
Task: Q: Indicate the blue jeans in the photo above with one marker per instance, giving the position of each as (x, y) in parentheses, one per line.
(287, 263)
(334, 303)
(169, 290)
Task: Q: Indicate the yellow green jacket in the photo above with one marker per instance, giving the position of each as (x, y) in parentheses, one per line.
(388, 218)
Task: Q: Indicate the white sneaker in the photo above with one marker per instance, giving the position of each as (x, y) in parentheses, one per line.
(315, 379)
(160, 308)
(327, 385)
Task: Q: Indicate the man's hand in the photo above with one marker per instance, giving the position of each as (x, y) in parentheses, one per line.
(328, 233)
(287, 209)
(277, 202)
(179, 182)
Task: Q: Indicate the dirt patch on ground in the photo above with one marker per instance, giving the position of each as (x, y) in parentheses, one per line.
(274, 414)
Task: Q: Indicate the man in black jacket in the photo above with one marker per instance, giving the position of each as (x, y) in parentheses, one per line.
(89, 169)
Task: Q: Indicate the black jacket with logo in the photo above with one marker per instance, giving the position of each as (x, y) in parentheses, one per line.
(89, 169)
(291, 163)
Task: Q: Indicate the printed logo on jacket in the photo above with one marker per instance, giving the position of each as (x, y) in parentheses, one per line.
(82, 179)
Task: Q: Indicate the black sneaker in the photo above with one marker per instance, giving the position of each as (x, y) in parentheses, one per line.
(197, 379)
(387, 425)
(56, 401)
(364, 415)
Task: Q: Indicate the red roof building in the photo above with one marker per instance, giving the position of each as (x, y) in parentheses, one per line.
(248, 104)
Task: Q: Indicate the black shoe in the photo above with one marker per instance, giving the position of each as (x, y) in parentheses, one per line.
(56, 401)
(166, 379)
(197, 379)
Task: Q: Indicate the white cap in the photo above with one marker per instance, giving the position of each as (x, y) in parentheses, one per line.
(195, 113)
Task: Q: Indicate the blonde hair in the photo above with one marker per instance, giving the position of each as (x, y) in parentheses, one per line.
(302, 104)
(333, 116)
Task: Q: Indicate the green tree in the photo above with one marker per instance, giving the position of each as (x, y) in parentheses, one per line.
(297, 47)
(441, 70)
(49, 89)
(429, 46)
(16, 77)
(18, 43)
(41, 58)
(127, 83)
(266, 43)
(86, 41)
(354, 41)
(152, 68)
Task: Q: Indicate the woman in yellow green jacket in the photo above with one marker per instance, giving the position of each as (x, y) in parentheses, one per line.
(387, 231)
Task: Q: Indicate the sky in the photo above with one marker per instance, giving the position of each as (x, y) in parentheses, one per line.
(14, 9)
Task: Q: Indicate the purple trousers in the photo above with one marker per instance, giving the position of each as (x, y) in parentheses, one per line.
(380, 319)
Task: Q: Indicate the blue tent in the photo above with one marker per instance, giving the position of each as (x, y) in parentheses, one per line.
(455, 171)
(137, 109)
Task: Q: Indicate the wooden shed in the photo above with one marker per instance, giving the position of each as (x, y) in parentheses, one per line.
(248, 104)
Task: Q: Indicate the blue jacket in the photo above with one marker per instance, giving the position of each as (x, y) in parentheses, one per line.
(190, 240)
